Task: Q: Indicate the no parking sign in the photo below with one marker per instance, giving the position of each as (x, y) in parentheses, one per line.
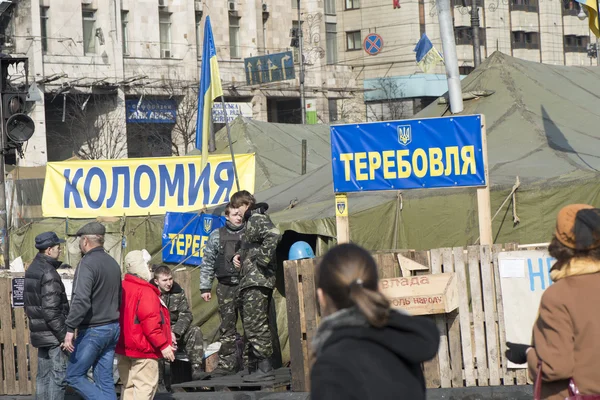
(373, 44)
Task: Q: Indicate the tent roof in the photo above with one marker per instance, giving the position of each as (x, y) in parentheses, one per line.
(542, 120)
(278, 148)
(540, 127)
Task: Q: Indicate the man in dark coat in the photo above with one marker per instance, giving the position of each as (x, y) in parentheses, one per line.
(94, 314)
(47, 308)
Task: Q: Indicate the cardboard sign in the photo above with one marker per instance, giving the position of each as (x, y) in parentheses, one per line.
(423, 294)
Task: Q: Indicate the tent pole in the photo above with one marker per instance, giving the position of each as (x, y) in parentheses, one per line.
(237, 182)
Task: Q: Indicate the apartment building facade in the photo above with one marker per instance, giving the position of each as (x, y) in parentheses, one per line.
(119, 78)
(547, 31)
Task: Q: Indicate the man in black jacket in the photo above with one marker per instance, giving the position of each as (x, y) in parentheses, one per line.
(95, 314)
(47, 307)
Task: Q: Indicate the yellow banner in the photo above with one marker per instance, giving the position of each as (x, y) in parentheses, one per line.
(142, 186)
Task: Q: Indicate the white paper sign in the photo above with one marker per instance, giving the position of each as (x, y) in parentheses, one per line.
(524, 275)
(514, 268)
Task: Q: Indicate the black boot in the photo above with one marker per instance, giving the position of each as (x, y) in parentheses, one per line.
(220, 372)
(248, 369)
(198, 374)
(264, 372)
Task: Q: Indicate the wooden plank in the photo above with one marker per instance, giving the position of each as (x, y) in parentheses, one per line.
(464, 315)
(183, 277)
(33, 363)
(440, 321)
(408, 266)
(508, 376)
(453, 327)
(387, 265)
(489, 298)
(310, 308)
(484, 206)
(23, 381)
(478, 317)
(9, 354)
(521, 376)
(341, 218)
(290, 273)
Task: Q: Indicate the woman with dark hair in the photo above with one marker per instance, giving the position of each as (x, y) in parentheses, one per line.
(363, 349)
(565, 343)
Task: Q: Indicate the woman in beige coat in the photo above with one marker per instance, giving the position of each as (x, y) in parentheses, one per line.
(565, 335)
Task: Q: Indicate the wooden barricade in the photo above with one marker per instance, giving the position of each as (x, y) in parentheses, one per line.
(17, 375)
(472, 342)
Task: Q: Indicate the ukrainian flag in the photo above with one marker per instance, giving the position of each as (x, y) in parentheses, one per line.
(210, 88)
(427, 56)
(591, 6)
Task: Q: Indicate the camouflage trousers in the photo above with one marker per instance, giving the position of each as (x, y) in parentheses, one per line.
(254, 310)
(228, 311)
(192, 343)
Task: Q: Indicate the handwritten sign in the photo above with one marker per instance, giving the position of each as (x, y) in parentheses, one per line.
(18, 290)
(422, 295)
(524, 275)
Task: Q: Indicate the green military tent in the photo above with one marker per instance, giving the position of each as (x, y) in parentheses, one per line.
(542, 131)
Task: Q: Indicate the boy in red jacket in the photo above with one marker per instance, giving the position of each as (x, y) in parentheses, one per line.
(145, 331)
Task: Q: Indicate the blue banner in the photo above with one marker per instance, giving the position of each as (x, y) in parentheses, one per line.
(151, 111)
(181, 241)
(408, 154)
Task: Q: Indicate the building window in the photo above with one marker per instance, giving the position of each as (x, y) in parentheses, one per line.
(524, 5)
(234, 37)
(125, 31)
(329, 7)
(352, 4)
(333, 111)
(164, 21)
(465, 69)
(44, 27)
(353, 41)
(525, 40)
(331, 45)
(295, 4)
(465, 3)
(576, 44)
(89, 32)
(570, 8)
(199, 34)
(296, 48)
(463, 35)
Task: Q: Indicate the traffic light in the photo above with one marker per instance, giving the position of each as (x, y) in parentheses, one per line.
(17, 126)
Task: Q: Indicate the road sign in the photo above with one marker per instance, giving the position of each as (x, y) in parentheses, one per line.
(269, 68)
(373, 44)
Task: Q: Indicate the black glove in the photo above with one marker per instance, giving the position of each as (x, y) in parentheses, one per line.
(517, 353)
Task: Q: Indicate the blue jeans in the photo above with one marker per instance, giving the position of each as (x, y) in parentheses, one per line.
(50, 380)
(95, 348)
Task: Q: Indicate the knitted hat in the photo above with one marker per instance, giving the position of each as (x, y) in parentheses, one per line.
(135, 264)
(578, 227)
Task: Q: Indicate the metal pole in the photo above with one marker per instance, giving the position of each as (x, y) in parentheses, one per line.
(303, 156)
(3, 216)
(450, 58)
(301, 61)
(237, 182)
(475, 28)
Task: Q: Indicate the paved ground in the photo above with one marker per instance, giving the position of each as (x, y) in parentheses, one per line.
(476, 393)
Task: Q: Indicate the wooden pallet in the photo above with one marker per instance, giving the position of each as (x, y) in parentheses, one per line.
(283, 379)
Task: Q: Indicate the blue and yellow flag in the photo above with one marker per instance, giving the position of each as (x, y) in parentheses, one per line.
(427, 56)
(591, 6)
(210, 88)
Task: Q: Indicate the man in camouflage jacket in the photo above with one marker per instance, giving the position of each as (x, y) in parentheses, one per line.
(257, 263)
(186, 335)
(217, 260)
